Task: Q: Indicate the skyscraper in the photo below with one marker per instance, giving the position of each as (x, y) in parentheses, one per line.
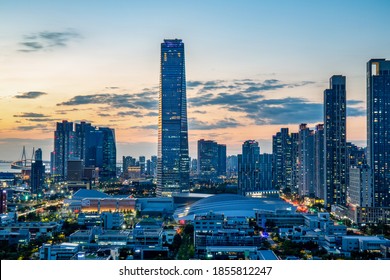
(282, 161)
(207, 159)
(294, 161)
(378, 129)
(249, 168)
(108, 169)
(319, 161)
(37, 173)
(221, 160)
(173, 158)
(306, 161)
(265, 165)
(64, 148)
(335, 142)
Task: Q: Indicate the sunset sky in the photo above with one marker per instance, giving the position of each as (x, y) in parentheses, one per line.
(252, 67)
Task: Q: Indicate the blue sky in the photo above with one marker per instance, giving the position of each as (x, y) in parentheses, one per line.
(106, 53)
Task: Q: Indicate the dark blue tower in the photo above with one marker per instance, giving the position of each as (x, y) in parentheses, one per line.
(173, 159)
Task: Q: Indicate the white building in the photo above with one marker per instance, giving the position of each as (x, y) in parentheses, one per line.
(63, 251)
(363, 243)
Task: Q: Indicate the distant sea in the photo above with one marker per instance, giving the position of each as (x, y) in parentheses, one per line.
(6, 167)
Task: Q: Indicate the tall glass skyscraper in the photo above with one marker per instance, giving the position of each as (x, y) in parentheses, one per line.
(64, 148)
(173, 158)
(108, 170)
(378, 129)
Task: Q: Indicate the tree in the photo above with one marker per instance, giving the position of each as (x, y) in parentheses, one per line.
(176, 243)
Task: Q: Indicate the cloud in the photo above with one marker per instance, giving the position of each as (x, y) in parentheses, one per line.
(199, 112)
(230, 94)
(32, 127)
(194, 83)
(135, 114)
(64, 112)
(353, 102)
(289, 110)
(149, 126)
(103, 98)
(30, 94)
(31, 115)
(104, 115)
(142, 100)
(42, 120)
(152, 114)
(201, 125)
(47, 40)
(141, 104)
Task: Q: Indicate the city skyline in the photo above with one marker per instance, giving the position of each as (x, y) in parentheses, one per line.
(98, 63)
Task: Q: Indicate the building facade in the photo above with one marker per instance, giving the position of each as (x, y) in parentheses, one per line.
(335, 142)
(37, 174)
(173, 157)
(108, 169)
(306, 161)
(282, 161)
(207, 159)
(378, 128)
(64, 148)
(319, 161)
(249, 168)
(360, 191)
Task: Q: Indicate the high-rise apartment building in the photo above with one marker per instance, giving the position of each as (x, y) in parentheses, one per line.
(221, 160)
(319, 188)
(294, 160)
(282, 161)
(173, 157)
(335, 142)
(265, 165)
(37, 177)
(64, 148)
(142, 164)
(207, 159)
(211, 161)
(306, 161)
(360, 191)
(232, 165)
(378, 129)
(249, 168)
(82, 131)
(153, 167)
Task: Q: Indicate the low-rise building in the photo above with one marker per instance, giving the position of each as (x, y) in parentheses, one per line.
(209, 222)
(369, 215)
(239, 252)
(63, 251)
(108, 220)
(36, 229)
(363, 243)
(19, 237)
(101, 237)
(83, 237)
(279, 218)
(147, 233)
